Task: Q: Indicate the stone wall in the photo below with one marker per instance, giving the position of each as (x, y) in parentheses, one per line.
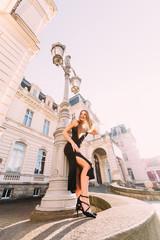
(22, 190)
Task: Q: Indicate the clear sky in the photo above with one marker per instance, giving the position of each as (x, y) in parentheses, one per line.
(115, 50)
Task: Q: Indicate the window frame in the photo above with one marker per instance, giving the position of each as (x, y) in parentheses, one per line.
(46, 126)
(10, 194)
(36, 192)
(28, 117)
(40, 162)
(15, 152)
(131, 174)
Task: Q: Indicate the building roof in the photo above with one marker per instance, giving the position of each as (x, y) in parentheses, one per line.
(42, 96)
(76, 99)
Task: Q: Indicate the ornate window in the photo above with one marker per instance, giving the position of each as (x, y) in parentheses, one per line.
(39, 169)
(16, 157)
(28, 118)
(46, 127)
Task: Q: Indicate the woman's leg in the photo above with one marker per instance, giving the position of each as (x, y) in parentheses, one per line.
(84, 180)
(78, 186)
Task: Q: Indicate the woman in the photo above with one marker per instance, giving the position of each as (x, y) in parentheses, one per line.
(80, 168)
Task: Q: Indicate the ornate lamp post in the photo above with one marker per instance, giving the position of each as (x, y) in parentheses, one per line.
(58, 202)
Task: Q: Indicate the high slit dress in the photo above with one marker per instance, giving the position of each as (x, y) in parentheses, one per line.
(71, 156)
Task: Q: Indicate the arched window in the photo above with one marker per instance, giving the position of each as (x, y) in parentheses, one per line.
(16, 157)
(39, 169)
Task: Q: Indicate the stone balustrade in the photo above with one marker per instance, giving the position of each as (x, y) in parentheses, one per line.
(135, 193)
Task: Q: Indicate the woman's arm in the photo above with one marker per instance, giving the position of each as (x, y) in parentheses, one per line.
(93, 131)
(72, 124)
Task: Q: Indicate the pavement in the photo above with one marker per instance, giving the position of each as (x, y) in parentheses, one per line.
(15, 218)
(15, 223)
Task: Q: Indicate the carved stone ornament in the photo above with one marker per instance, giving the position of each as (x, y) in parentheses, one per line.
(58, 146)
(56, 173)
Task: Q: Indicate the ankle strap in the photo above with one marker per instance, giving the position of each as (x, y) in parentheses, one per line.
(84, 196)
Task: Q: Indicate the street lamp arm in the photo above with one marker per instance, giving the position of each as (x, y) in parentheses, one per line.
(63, 68)
(75, 75)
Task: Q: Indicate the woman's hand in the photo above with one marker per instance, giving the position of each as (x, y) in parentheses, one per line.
(75, 147)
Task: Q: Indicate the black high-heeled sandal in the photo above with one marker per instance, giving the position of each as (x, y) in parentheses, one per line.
(80, 207)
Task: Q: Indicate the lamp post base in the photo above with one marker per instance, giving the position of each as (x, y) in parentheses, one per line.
(44, 216)
(58, 203)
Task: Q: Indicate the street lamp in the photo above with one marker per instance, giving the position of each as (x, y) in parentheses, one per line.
(58, 202)
(58, 51)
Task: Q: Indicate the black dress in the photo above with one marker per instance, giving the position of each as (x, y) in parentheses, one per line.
(71, 156)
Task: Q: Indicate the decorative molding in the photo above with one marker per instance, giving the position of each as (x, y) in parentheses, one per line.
(56, 173)
(15, 6)
(17, 129)
(38, 178)
(36, 103)
(11, 176)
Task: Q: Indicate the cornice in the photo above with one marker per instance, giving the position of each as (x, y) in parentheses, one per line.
(47, 139)
(36, 103)
(27, 30)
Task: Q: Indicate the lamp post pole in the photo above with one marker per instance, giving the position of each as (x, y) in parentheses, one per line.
(58, 202)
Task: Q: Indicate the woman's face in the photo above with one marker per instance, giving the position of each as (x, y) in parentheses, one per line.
(82, 116)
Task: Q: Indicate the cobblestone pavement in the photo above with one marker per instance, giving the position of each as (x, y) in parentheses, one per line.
(16, 211)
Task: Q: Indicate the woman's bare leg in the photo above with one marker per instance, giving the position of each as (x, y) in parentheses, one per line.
(78, 187)
(84, 180)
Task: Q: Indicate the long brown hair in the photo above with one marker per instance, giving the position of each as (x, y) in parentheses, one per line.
(88, 119)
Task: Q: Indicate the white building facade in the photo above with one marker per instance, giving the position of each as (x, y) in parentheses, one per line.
(26, 146)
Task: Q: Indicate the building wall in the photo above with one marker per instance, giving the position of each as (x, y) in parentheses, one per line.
(33, 138)
(124, 138)
(21, 22)
(152, 168)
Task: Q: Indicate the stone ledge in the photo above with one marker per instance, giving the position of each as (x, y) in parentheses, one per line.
(135, 193)
(126, 219)
(44, 216)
